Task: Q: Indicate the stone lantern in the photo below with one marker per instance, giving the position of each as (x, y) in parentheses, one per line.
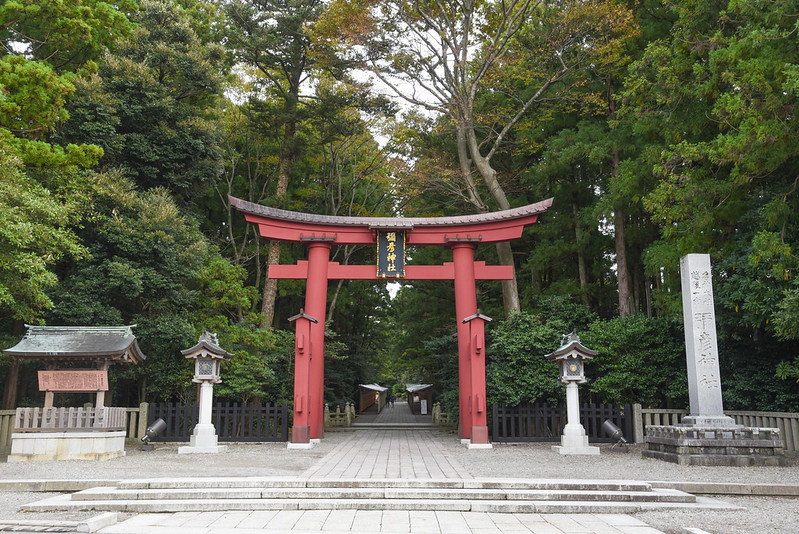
(207, 356)
(571, 356)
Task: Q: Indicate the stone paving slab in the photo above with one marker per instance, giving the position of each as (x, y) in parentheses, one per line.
(406, 454)
(366, 521)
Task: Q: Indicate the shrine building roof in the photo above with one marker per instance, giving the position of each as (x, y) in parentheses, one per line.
(78, 343)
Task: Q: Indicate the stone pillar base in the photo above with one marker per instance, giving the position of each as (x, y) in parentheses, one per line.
(36, 446)
(191, 449)
(203, 441)
(712, 446)
(574, 441)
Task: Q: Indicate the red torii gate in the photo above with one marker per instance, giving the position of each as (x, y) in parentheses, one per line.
(320, 232)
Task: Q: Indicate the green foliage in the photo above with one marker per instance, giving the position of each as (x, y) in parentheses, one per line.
(149, 104)
(35, 233)
(640, 360)
(516, 369)
(144, 269)
(65, 33)
(262, 366)
(693, 148)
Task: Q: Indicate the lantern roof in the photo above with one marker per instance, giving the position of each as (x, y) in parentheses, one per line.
(207, 347)
(571, 348)
(78, 343)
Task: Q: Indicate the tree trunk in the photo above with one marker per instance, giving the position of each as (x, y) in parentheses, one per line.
(581, 268)
(622, 274)
(10, 390)
(284, 168)
(510, 289)
(334, 299)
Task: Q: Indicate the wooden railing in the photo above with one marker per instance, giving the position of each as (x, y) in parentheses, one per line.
(340, 418)
(69, 419)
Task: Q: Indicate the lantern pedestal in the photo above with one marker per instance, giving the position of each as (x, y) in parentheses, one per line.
(203, 441)
(203, 437)
(574, 440)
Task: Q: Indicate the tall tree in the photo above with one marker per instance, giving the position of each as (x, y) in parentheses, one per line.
(441, 55)
(273, 36)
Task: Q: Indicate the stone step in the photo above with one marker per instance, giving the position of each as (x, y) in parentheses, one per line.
(346, 494)
(63, 503)
(392, 426)
(284, 482)
(476, 495)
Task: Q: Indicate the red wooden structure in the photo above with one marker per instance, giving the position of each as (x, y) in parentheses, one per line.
(320, 232)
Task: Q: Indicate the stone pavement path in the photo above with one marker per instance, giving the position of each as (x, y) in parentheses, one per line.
(389, 454)
(376, 521)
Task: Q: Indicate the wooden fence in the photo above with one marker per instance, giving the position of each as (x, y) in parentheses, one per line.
(540, 422)
(6, 427)
(73, 419)
(233, 421)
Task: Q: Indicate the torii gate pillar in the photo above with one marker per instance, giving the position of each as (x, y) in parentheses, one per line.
(465, 305)
(301, 429)
(315, 306)
(477, 364)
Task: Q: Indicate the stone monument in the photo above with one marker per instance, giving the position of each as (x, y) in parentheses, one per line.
(707, 436)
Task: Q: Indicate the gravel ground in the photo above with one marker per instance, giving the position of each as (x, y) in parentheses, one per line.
(536, 460)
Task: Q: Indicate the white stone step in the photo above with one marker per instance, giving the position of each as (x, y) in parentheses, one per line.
(64, 503)
(392, 493)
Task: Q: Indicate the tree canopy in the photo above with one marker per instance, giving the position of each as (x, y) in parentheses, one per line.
(659, 128)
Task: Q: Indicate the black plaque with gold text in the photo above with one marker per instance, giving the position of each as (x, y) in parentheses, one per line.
(390, 254)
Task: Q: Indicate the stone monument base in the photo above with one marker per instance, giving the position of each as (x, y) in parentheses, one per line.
(713, 446)
(36, 446)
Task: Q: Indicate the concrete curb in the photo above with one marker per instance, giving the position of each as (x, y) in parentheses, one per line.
(732, 488)
(98, 522)
(54, 485)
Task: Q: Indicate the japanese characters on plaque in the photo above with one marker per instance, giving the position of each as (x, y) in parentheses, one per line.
(78, 381)
(390, 253)
(704, 321)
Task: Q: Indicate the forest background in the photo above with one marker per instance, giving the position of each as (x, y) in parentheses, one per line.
(659, 127)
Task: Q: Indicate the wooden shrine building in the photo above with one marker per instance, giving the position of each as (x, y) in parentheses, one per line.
(77, 358)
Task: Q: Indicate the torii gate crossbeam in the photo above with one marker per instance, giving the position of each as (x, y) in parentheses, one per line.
(320, 232)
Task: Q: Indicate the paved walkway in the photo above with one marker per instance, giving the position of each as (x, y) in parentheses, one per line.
(372, 521)
(399, 413)
(389, 454)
